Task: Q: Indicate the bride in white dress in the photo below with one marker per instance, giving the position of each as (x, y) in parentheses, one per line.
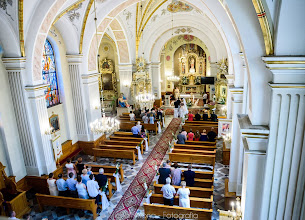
(184, 199)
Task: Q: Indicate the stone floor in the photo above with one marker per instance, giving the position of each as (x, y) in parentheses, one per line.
(130, 171)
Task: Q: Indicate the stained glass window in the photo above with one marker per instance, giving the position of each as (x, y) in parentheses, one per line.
(49, 75)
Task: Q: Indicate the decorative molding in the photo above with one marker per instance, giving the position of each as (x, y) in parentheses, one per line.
(75, 5)
(287, 86)
(84, 26)
(265, 26)
(20, 21)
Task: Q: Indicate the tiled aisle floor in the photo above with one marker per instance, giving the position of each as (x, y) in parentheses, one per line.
(130, 171)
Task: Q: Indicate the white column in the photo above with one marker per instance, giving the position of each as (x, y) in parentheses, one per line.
(75, 62)
(156, 77)
(39, 122)
(125, 76)
(235, 151)
(16, 69)
(92, 99)
(230, 79)
(284, 184)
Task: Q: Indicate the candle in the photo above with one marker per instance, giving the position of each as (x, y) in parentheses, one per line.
(232, 204)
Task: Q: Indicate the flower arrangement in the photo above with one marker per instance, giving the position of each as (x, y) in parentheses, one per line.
(174, 137)
(104, 189)
(117, 168)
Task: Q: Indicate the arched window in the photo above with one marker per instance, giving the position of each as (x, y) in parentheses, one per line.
(49, 75)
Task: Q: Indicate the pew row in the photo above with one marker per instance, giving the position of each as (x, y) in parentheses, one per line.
(122, 154)
(194, 147)
(187, 213)
(215, 124)
(126, 126)
(195, 202)
(195, 191)
(200, 128)
(128, 134)
(126, 143)
(191, 158)
(118, 147)
(107, 169)
(67, 202)
(198, 152)
(203, 143)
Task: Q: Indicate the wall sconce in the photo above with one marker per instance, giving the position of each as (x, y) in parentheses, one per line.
(49, 131)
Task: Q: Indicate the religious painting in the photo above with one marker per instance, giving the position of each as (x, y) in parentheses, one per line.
(179, 6)
(183, 68)
(49, 75)
(54, 122)
(225, 128)
(107, 81)
(105, 65)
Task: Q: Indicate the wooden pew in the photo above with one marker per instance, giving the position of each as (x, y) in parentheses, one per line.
(107, 169)
(160, 210)
(197, 152)
(194, 201)
(203, 143)
(126, 143)
(119, 147)
(126, 154)
(212, 123)
(149, 127)
(194, 147)
(205, 183)
(66, 202)
(191, 158)
(200, 128)
(126, 139)
(195, 191)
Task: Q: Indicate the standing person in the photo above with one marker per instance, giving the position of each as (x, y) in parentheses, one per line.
(205, 115)
(190, 117)
(139, 125)
(142, 113)
(182, 111)
(197, 136)
(205, 97)
(80, 166)
(135, 130)
(212, 135)
(145, 118)
(184, 199)
(214, 117)
(81, 189)
(197, 116)
(184, 132)
(143, 132)
(93, 189)
(164, 173)
(176, 175)
(168, 192)
(101, 178)
(52, 185)
(203, 136)
(189, 176)
(132, 116)
(181, 138)
(160, 114)
(176, 110)
(151, 119)
(190, 136)
(137, 112)
(70, 167)
(85, 177)
(71, 183)
(61, 186)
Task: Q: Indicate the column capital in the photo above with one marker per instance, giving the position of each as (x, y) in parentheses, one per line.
(286, 69)
(75, 58)
(90, 78)
(36, 91)
(125, 67)
(15, 63)
(237, 94)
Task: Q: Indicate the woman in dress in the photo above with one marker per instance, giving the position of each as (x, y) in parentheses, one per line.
(151, 119)
(52, 185)
(81, 189)
(176, 175)
(80, 166)
(85, 176)
(184, 132)
(70, 167)
(143, 132)
(184, 199)
(190, 135)
(203, 136)
(197, 136)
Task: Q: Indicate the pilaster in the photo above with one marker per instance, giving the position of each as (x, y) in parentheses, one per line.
(235, 151)
(284, 183)
(156, 79)
(75, 62)
(125, 76)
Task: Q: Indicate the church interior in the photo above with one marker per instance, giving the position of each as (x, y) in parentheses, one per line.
(152, 109)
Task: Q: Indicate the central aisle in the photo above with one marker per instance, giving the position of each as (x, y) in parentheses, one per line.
(131, 200)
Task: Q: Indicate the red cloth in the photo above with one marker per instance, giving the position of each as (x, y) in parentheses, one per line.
(191, 117)
(190, 136)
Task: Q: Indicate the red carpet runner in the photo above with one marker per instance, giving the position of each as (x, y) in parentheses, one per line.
(131, 200)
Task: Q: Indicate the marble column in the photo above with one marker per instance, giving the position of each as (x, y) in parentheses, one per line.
(39, 123)
(75, 69)
(254, 142)
(235, 151)
(284, 183)
(92, 100)
(125, 76)
(155, 78)
(16, 69)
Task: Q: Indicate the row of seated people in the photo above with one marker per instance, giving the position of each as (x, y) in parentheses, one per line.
(138, 130)
(138, 113)
(202, 117)
(85, 186)
(183, 136)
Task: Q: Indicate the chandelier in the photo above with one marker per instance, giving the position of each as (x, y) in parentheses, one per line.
(104, 124)
(145, 99)
(173, 78)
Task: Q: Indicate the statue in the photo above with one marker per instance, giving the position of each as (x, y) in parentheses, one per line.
(123, 101)
(192, 65)
(177, 93)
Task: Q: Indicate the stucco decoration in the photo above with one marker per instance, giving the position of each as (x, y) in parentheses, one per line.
(178, 6)
(7, 6)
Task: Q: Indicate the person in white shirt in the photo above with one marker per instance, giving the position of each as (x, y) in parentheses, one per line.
(12, 215)
(139, 126)
(184, 199)
(93, 189)
(169, 192)
(132, 116)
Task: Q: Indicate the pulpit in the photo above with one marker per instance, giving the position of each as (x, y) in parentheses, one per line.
(11, 199)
